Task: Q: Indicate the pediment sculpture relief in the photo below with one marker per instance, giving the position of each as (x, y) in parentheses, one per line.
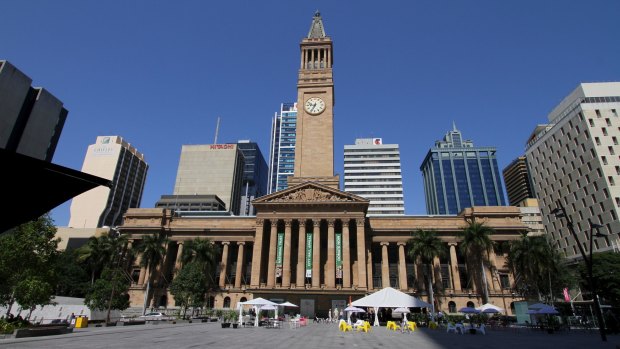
(310, 195)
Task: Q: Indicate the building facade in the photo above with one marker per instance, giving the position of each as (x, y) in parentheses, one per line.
(282, 147)
(255, 174)
(458, 175)
(372, 171)
(112, 158)
(573, 161)
(518, 182)
(312, 244)
(31, 118)
(215, 169)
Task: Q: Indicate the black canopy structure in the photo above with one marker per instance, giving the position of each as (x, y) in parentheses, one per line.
(32, 187)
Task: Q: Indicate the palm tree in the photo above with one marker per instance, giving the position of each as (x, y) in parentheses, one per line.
(476, 244)
(201, 251)
(153, 251)
(426, 245)
(100, 252)
(531, 260)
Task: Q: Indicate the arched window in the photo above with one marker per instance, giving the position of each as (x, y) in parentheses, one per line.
(471, 304)
(243, 299)
(451, 307)
(210, 302)
(163, 301)
(227, 302)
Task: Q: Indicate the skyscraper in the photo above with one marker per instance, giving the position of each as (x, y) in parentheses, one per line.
(282, 147)
(113, 158)
(211, 169)
(573, 160)
(458, 175)
(254, 176)
(372, 171)
(31, 118)
(518, 182)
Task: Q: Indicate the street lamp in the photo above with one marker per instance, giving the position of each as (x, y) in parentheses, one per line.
(560, 212)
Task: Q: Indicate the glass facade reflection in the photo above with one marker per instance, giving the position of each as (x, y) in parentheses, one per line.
(458, 175)
(282, 147)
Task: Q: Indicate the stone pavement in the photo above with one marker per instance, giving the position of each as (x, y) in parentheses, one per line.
(313, 336)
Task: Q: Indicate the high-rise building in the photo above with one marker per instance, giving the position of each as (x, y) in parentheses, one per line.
(31, 118)
(458, 175)
(254, 176)
(573, 161)
(215, 169)
(113, 158)
(372, 171)
(282, 147)
(518, 182)
(531, 216)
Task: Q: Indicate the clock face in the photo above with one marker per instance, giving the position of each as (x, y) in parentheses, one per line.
(314, 105)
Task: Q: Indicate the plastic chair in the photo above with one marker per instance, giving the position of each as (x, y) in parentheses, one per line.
(451, 328)
(344, 327)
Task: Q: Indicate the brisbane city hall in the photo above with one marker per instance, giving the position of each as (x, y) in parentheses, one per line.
(313, 244)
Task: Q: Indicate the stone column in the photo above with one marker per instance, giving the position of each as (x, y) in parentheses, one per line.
(301, 254)
(286, 268)
(436, 271)
(142, 270)
(240, 262)
(316, 253)
(370, 275)
(361, 255)
(402, 266)
(271, 264)
(329, 58)
(224, 263)
(385, 265)
(330, 272)
(256, 254)
(303, 56)
(454, 265)
(346, 254)
(177, 262)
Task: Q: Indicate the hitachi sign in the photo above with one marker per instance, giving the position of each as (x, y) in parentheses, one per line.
(222, 146)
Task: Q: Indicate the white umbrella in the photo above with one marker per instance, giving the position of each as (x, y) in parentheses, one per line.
(403, 311)
(288, 304)
(350, 310)
(258, 303)
(489, 309)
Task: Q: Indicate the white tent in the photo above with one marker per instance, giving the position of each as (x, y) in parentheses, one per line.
(258, 303)
(389, 298)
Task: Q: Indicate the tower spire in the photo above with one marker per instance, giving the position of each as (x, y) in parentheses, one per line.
(316, 29)
(454, 126)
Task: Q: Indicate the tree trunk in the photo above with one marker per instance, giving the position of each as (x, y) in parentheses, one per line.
(430, 289)
(484, 283)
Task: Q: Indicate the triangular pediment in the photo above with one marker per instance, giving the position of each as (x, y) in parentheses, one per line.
(310, 193)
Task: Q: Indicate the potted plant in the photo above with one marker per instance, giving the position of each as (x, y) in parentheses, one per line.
(234, 317)
(225, 319)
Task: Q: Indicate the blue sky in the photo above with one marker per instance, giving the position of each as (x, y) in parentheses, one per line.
(159, 73)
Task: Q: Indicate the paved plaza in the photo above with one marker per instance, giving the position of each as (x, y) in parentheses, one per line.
(313, 336)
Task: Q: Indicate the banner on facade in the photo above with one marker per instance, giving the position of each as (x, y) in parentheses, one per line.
(279, 253)
(566, 294)
(308, 255)
(338, 256)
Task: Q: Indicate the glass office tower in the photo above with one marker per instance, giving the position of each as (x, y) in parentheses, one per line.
(458, 175)
(254, 176)
(282, 147)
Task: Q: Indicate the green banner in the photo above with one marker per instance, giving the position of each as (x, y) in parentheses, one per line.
(338, 256)
(279, 254)
(308, 255)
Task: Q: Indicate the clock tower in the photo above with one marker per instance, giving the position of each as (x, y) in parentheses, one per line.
(314, 148)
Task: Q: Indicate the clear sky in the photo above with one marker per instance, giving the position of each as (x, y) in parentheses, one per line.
(159, 73)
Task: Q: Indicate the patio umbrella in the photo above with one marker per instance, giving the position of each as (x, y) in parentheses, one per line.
(537, 306)
(489, 309)
(403, 311)
(350, 310)
(288, 304)
(469, 310)
(549, 310)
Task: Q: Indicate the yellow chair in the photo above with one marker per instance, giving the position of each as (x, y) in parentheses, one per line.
(391, 325)
(344, 327)
(411, 326)
(364, 327)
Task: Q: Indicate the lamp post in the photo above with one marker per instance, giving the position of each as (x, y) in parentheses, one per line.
(560, 212)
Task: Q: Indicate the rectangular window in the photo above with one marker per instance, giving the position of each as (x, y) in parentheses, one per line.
(598, 113)
(611, 150)
(597, 140)
(611, 180)
(591, 122)
(615, 140)
(604, 159)
(604, 131)
(613, 111)
(608, 122)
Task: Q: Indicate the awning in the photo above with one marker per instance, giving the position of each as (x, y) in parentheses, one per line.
(33, 187)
